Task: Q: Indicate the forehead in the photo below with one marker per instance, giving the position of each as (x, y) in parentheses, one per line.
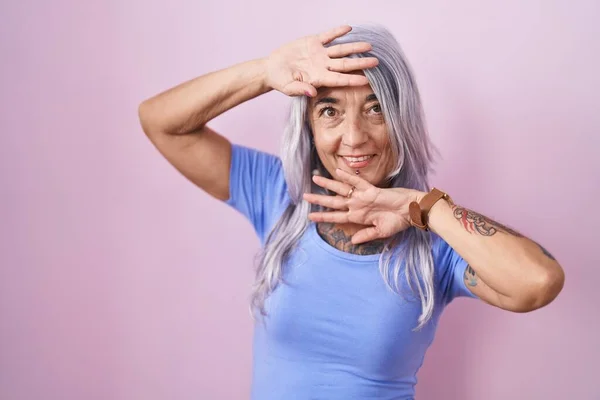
(343, 94)
(343, 91)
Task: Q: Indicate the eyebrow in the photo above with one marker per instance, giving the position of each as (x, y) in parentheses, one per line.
(333, 100)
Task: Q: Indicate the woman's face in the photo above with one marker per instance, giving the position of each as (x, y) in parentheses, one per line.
(350, 132)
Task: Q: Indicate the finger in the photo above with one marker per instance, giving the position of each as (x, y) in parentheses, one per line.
(333, 79)
(334, 202)
(366, 235)
(335, 217)
(298, 88)
(352, 179)
(334, 33)
(345, 49)
(351, 64)
(335, 186)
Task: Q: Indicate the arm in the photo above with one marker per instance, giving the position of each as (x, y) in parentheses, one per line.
(506, 269)
(175, 122)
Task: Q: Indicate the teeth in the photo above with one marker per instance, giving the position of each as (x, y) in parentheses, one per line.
(358, 159)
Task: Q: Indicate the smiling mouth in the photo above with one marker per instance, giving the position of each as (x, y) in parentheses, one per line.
(357, 162)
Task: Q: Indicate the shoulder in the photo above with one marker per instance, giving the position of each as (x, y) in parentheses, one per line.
(258, 187)
(246, 156)
(256, 166)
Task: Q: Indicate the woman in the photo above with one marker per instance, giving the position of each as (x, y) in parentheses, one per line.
(359, 256)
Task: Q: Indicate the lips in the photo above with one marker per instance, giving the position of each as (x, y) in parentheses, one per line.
(358, 161)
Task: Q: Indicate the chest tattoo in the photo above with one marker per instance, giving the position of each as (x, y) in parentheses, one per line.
(341, 241)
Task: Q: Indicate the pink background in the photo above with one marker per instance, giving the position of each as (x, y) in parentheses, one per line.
(121, 280)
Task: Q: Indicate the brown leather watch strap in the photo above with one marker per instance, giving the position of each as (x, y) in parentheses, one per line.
(419, 212)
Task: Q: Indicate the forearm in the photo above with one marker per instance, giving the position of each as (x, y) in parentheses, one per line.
(505, 260)
(190, 105)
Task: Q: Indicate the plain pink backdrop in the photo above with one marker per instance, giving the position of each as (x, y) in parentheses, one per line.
(121, 280)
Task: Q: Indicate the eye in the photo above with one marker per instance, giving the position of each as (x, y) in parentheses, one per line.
(376, 108)
(328, 111)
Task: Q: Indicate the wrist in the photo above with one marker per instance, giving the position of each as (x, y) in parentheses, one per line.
(262, 74)
(436, 214)
(266, 68)
(425, 206)
(418, 195)
(414, 196)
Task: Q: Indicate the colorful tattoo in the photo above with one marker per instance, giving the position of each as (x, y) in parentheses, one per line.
(470, 276)
(474, 222)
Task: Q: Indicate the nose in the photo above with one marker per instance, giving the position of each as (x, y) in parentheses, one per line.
(354, 133)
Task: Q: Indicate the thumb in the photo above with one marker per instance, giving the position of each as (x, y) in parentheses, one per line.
(298, 88)
(365, 235)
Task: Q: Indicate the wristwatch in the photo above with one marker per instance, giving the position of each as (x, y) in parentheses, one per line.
(419, 212)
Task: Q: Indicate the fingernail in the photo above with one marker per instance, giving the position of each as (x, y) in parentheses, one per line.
(307, 93)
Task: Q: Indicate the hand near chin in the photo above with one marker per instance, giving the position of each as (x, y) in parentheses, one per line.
(383, 211)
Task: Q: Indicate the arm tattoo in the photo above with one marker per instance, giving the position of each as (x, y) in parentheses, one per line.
(474, 222)
(470, 276)
(338, 239)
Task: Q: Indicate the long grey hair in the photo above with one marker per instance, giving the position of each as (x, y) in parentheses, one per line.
(395, 87)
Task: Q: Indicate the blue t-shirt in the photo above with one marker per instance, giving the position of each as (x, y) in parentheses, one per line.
(333, 330)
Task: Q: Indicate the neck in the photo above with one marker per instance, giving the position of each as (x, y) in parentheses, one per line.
(340, 237)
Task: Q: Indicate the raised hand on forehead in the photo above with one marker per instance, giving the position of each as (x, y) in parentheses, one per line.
(300, 67)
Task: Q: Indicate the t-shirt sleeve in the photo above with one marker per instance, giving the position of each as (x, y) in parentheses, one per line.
(451, 268)
(257, 188)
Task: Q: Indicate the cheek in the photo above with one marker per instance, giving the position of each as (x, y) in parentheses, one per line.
(383, 143)
(327, 144)
(382, 139)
